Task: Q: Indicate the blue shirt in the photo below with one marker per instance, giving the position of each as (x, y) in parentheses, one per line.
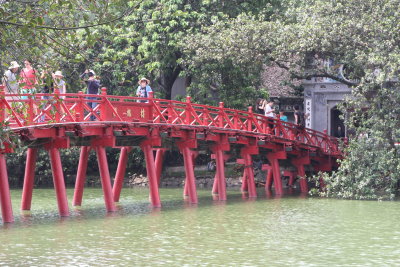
(284, 118)
(143, 92)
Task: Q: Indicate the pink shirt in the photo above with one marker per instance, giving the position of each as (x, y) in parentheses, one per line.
(28, 78)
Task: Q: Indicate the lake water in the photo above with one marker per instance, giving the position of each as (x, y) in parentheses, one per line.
(287, 231)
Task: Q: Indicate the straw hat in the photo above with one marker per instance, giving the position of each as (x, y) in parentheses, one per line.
(58, 73)
(13, 65)
(144, 79)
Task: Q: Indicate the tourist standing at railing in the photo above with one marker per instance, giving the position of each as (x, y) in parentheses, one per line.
(93, 86)
(10, 80)
(143, 89)
(300, 117)
(47, 82)
(28, 79)
(282, 116)
(59, 83)
(270, 113)
(260, 105)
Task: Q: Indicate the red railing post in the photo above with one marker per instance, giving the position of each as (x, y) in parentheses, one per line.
(105, 112)
(80, 110)
(57, 115)
(249, 120)
(188, 109)
(221, 115)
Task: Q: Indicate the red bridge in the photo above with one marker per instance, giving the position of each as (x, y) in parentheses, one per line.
(63, 121)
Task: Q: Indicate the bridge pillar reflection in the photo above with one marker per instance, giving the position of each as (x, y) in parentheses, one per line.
(58, 180)
(29, 177)
(5, 197)
(81, 176)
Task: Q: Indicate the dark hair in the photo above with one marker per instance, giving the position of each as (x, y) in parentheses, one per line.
(296, 107)
(258, 101)
(90, 74)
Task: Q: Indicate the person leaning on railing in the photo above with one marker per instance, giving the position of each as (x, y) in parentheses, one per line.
(143, 89)
(269, 112)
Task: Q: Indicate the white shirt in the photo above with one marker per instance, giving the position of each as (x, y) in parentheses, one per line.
(11, 82)
(269, 111)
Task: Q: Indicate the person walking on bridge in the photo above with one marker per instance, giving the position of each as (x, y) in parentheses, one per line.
(144, 89)
(28, 79)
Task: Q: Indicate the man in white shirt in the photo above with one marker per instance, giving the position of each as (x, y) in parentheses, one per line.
(269, 111)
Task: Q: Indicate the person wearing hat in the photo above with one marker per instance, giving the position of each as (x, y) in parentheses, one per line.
(59, 83)
(10, 80)
(143, 89)
(93, 86)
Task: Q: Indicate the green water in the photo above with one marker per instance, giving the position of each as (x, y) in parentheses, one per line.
(288, 231)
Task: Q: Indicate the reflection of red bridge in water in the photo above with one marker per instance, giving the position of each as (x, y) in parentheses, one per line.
(122, 122)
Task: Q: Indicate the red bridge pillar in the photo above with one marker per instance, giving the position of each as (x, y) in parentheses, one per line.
(159, 162)
(187, 143)
(58, 180)
(81, 176)
(273, 158)
(299, 164)
(105, 178)
(27, 190)
(186, 187)
(151, 173)
(120, 174)
(5, 198)
(218, 149)
(248, 173)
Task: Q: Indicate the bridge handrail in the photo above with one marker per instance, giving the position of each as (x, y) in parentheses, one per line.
(72, 107)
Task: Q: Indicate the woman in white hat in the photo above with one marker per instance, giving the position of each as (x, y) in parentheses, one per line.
(59, 83)
(10, 80)
(144, 89)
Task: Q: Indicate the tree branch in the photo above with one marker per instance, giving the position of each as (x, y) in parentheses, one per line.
(129, 12)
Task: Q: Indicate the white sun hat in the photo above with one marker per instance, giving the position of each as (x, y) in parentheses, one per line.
(13, 65)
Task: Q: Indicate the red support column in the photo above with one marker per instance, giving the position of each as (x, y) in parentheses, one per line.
(119, 176)
(151, 173)
(105, 178)
(302, 181)
(221, 173)
(215, 184)
(159, 162)
(186, 188)
(250, 174)
(299, 164)
(58, 180)
(5, 197)
(276, 174)
(31, 156)
(189, 169)
(81, 176)
(244, 187)
(268, 182)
